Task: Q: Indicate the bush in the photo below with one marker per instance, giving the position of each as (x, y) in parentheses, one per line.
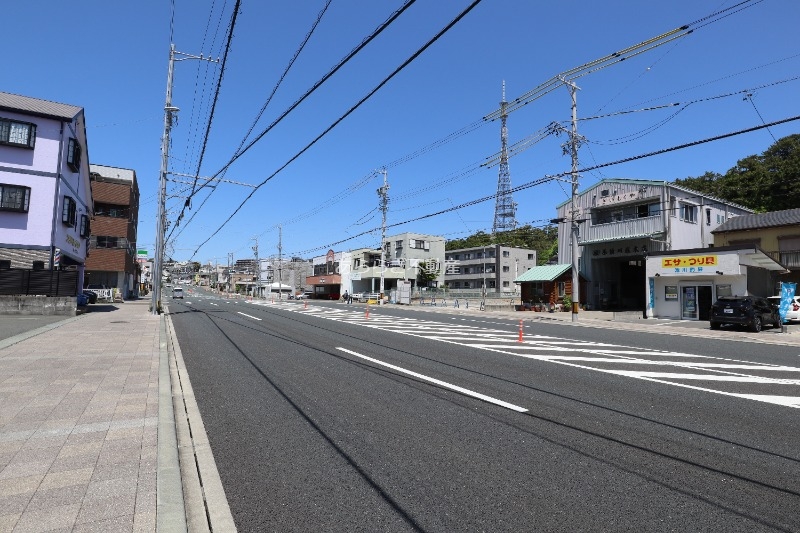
(567, 303)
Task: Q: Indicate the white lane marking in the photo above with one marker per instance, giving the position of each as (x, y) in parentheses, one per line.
(212, 303)
(456, 388)
(248, 316)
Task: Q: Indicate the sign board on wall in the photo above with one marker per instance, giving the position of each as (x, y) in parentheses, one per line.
(671, 292)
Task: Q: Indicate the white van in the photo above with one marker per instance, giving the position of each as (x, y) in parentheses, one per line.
(177, 292)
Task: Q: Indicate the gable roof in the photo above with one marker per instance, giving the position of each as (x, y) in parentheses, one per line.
(543, 273)
(35, 106)
(787, 217)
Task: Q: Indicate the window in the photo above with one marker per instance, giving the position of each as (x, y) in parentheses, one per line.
(74, 154)
(672, 211)
(14, 198)
(84, 226)
(505, 284)
(505, 269)
(492, 284)
(506, 253)
(107, 242)
(688, 212)
(561, 289)
(530, 257)
(68, 212)
(17, 133)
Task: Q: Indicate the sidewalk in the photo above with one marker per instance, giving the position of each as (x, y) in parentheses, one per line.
(88, 438)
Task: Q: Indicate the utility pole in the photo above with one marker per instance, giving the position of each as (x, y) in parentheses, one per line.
(383, 195)
(258, 268)
(280, 263)
(574, 141)
(161, 219)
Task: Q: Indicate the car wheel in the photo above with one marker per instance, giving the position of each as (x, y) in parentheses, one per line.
(755, 327)
(715, 325)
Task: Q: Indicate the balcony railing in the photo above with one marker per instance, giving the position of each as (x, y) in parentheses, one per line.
(787, 259)
(615, 230)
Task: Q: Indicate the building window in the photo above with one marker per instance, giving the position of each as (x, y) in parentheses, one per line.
(505, 269)
(17, 133)
(74, 154)
(505, 284)
(561, 289)
(107, 242)
(492, 284)
(506, 253)
(68, 212)
(672, 211)
(688, 213)
(530, 257)
(14, 198)
(85, 226)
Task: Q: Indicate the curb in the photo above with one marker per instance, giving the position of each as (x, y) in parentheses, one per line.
(206, 505)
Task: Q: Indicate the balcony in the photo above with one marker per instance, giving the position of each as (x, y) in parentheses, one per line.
(789, 259)
(632, 228)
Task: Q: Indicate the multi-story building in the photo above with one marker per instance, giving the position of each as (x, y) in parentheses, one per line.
(621, 220)
(493, 267)
(776, 232)
(45, 194)
(112, 257)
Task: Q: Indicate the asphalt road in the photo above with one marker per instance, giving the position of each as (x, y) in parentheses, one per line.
(321, 419)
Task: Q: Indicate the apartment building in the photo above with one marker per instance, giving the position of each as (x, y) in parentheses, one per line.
(493, 267)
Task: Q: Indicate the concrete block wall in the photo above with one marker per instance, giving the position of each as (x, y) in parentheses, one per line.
(38, 305)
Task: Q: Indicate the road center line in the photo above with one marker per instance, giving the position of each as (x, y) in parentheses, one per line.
(248, 316)
(456, 388)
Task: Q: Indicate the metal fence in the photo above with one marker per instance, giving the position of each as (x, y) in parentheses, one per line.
(22, 281)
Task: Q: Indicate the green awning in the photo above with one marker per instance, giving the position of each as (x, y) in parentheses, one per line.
(543, 273)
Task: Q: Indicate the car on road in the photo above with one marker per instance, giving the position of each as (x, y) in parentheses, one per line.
(793, 314)
(177, 292)
(751, 311)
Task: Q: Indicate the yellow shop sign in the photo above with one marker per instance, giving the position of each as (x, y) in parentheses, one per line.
(689, 261)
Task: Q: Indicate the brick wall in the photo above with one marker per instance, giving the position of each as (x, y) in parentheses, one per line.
(111, 193)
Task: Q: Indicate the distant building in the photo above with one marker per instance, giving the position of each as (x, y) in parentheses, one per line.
(45, 194)
(112, 257)
(494, 267)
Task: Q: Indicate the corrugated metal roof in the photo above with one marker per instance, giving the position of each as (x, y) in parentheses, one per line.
(543, 273)
(35, 106)
(787, 217)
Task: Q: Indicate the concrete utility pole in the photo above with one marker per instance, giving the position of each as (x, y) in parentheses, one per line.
(280, 263)
(161, 219)
(258, 268)
(383, 195)
(574, 142)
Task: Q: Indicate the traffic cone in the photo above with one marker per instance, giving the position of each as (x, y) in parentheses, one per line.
(366, 314)
(520, 331)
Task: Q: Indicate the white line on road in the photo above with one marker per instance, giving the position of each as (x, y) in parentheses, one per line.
(456, 388)
(248, 316)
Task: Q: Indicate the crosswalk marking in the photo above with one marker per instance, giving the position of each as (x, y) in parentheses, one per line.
(601, 357)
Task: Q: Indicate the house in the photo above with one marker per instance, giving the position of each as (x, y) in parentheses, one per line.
(326, 281)
(112, 250)
(548, 285)
(621, 221)
(45, 196)
(776, 232)
(494, 267)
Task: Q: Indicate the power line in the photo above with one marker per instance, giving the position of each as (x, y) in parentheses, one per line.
(349, 112)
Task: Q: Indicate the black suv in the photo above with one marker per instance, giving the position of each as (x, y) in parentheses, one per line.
(750, 311)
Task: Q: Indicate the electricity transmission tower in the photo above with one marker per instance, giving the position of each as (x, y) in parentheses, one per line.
(504, 207)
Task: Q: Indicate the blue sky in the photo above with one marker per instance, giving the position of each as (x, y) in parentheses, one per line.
(113, 62)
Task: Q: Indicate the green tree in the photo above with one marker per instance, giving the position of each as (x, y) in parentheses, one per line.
(766, 182)
(426, 273)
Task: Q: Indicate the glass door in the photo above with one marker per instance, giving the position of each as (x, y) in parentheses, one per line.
(689, 303)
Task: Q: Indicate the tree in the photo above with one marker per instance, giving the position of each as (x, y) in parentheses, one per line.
(766, 182)
(428, 271)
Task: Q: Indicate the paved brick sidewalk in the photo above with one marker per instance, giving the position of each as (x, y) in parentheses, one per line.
(79, 414)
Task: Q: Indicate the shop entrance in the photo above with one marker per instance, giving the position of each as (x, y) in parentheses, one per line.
(695, 302)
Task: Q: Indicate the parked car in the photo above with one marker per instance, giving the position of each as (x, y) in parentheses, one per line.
(92, 296)
(751, 311)
(793, 314)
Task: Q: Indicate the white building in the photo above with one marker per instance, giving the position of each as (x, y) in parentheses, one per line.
(621, 221)
(494, 267)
